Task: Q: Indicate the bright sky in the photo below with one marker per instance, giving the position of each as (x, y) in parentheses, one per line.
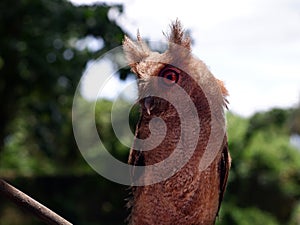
(252, 45)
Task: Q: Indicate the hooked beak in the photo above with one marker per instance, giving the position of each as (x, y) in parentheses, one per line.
(149, 104)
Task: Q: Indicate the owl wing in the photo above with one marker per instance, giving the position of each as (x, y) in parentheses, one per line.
(224, 167)
(136, 157)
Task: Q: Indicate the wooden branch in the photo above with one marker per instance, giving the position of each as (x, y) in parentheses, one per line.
(25, 202)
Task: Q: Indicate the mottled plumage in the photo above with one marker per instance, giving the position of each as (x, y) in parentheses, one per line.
(193, 194)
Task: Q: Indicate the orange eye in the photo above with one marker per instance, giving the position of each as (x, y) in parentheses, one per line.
(170, 76)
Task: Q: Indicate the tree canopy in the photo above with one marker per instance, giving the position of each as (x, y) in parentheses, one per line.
(43, 53)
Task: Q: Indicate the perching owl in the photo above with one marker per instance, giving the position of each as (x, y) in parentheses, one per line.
(180, 140)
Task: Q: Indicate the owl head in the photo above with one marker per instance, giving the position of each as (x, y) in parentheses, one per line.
(161, 75)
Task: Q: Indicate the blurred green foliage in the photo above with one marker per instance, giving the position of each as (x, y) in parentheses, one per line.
(264, 183)
(43, 52)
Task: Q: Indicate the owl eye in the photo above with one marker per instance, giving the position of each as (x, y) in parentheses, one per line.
(170, 76)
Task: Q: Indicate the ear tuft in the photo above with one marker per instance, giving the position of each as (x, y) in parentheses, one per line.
(178, 36)
(135, 52)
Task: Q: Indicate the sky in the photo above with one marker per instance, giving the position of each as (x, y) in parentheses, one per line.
(252, 45)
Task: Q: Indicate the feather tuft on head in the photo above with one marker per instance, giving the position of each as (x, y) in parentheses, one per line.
(178, 36)
(135, 51)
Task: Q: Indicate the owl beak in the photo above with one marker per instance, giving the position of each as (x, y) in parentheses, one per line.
(149, 104)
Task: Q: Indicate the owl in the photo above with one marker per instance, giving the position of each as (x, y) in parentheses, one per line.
(180, 159)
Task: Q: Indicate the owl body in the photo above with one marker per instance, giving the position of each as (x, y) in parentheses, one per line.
(185, 137)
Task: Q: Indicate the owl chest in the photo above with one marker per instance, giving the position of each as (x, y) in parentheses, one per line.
(182, 199)
(161, 137)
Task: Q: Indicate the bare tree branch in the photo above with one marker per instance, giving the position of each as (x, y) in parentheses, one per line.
(25, 202)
